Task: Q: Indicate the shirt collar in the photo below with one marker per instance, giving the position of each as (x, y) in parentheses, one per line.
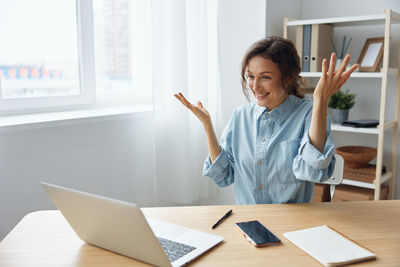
(281, 112)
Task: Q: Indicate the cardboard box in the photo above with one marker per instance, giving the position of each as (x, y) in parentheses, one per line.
(321, 193)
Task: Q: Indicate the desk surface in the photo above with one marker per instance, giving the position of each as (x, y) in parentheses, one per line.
(44, 238)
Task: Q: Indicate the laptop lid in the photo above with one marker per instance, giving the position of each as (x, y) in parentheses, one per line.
(121, 227)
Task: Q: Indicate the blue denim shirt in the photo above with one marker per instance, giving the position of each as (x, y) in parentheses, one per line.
(268, 154)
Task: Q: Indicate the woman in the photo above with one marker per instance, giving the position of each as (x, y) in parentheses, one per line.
(276, 149)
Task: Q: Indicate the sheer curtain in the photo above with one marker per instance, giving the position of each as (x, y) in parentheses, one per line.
(185, 59)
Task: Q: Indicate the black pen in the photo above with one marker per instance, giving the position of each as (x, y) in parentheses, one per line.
(222, 219)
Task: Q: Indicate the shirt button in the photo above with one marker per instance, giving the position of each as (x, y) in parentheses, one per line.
(266, 114)
(263, 139)
(259, 162)
(260, 186)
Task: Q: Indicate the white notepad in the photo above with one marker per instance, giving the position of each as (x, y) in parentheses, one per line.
(328, 246)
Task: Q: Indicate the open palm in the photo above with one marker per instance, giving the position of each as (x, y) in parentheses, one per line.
(331, 81)
(197, 110)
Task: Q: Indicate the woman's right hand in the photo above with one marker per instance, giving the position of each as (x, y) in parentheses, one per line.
(200, 112)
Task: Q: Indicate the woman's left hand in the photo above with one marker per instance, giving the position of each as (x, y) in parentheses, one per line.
(331, 81)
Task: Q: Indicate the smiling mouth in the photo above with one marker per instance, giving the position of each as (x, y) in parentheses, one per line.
(262, 96)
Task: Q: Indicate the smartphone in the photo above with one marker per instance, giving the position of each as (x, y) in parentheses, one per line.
(258, 234)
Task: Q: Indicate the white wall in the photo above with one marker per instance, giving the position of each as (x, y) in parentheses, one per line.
(276, 10)
(111, 157)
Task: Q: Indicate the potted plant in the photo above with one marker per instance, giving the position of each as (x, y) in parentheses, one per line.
(341, 103)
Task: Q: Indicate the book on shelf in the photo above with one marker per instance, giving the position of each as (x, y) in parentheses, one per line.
(304, 45)
(365, 123)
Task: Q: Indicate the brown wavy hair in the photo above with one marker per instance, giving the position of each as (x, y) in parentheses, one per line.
(283, 53)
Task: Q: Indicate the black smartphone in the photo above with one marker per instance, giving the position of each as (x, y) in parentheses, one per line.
(258, 234)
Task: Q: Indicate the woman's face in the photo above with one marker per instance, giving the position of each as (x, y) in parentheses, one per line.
(264, 80)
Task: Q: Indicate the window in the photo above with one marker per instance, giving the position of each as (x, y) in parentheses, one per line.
(122, 30)
(39, 55)
(68, 54)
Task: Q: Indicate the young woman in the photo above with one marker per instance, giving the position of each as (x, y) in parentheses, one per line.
(275, 149)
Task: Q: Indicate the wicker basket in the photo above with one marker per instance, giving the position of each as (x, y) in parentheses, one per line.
(356, 156)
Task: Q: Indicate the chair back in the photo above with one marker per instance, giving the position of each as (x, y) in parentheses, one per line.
(337, 176)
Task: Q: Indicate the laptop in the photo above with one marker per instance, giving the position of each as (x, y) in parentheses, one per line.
(121, 227)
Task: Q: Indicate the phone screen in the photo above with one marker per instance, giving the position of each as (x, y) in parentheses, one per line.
(258, 234)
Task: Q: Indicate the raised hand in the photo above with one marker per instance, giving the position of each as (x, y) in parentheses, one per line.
(331, 81)
(200, 112)
(203, 115)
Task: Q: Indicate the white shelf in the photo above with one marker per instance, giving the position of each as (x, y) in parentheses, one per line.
(358, 184)
(340, 128)
(373, 130)
(391, 71)
(368, 19)
(385, 177)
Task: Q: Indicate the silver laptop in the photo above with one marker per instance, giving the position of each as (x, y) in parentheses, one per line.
(121, 227)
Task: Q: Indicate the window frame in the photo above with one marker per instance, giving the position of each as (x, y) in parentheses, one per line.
(86, 70)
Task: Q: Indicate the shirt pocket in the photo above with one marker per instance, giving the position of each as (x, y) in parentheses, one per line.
(284, 186)
(286, 152)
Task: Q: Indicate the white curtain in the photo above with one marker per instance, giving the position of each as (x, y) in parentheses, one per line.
(185, 59)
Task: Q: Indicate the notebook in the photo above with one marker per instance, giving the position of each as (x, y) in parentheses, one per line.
(121, 227)
(328, 246)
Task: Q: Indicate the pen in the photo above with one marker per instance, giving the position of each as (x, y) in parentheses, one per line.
(222, 219)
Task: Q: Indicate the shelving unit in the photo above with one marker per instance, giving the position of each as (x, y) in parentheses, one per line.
(387, 19)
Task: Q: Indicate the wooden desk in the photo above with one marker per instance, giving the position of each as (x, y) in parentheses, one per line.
(44, 238)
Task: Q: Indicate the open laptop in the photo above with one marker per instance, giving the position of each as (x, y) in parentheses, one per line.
(121, 227)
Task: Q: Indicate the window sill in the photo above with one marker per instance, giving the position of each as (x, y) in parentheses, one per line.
(15, 120)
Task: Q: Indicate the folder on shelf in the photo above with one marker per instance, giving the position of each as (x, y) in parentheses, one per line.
(328, 246)
(306, 48)
(299, 43)
(321, 45)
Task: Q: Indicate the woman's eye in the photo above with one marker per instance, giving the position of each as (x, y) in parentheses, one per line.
(266, 77)
(250, 77)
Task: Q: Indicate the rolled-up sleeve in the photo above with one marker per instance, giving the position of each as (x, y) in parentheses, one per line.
(312, 165)
(313, 157)
(219, 171)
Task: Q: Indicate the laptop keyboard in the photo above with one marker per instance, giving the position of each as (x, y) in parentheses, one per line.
(174, 250)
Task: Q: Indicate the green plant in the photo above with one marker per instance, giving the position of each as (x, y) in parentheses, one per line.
(342, 100)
